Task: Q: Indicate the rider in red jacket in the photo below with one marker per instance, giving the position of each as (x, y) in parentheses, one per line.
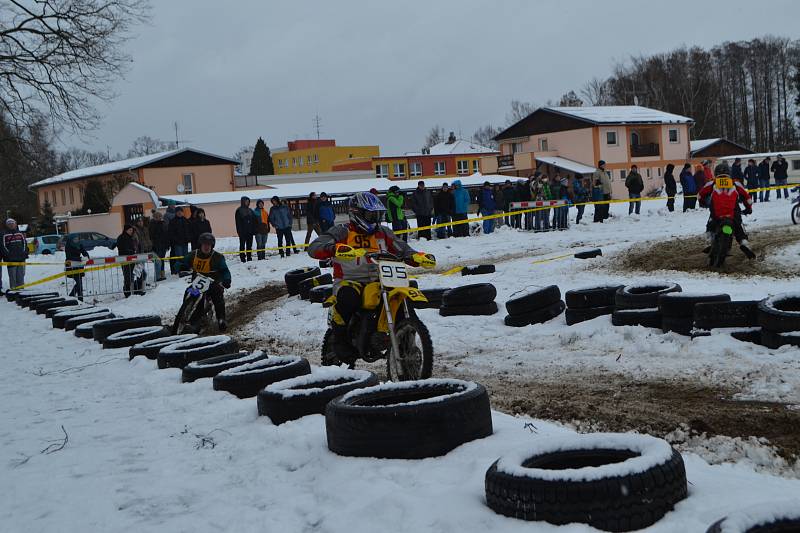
(723, 196)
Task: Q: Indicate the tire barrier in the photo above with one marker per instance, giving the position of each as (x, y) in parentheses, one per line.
(246, 380)
(150, 348)
(295, 276)
(534, 307)
(677, 309)
(208, 368)
(180, 354)
(129, 337)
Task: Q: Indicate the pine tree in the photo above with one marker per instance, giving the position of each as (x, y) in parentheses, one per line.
(46, 223)
(95, 198)
(261, 165)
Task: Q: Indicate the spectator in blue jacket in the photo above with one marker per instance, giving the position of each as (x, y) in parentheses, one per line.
(751, 178)
(689, 187)
(580, 188)
(325, 213)
(461, 201)
(487, 206)
(280, 217)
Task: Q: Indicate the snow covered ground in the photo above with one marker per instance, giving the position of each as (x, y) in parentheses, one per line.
(149, 453)
(146, 452)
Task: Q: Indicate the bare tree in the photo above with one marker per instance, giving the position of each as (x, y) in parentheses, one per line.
(519, 110)
(59, 58)
(239, 156)
(570, 99)
(435, 136)
(75, 158)
(485, 136)
(146, 145)
(597, 92)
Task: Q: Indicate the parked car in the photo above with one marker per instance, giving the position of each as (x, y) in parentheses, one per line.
(89, 239)
(43, 244)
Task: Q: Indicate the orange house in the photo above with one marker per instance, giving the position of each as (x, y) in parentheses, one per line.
(185, 171)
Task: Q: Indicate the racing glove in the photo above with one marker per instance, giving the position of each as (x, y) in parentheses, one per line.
(346, 252)
(424, 260)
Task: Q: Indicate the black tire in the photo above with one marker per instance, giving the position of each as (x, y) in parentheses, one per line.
(576, 316)
(783, 518)
(736, 314)
(245, 381)
(602, 296)
(307, 284)
(681, 304)
(326, 263)
(53, 311)
(23, 298)
(394, 421)
(588, 254)
(720, 248)
(416, 344)
(434, 297)
(649, 318)
(679, 325)
(780, 313)
(477, 293)
(534, 300)
(180, 354)
(294, 277)
(84, 329)
(130, 337)
(31, 303)
(796, 214)
(72, 323)
(474, 270)
(539, 316)
(774, 339)
(310, 394)
(58, 319)
(208, 368)
(150, 348)
(104, 329)
(752, 335)
(41, 309)
(469, 310)
(643, 296)
(530, 488)
(318, 295)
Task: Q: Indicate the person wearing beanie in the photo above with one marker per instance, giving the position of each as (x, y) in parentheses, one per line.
(245, 228)
(13, 249)
(280, 216)
(600, 179)
(127, 245)
(262, 229)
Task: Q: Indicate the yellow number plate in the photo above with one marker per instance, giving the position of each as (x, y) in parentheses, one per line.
(724, 183)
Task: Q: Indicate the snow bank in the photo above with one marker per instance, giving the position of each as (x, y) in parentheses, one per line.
(651, 452)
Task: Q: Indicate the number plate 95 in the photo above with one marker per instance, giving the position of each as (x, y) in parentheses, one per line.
(393, 274)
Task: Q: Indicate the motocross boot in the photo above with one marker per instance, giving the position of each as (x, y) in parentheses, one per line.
(744, 246)
(342, 347)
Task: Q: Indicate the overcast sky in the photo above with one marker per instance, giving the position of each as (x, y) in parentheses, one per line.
(383, 72)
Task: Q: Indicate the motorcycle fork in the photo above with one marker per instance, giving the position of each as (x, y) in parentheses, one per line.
(395, 354)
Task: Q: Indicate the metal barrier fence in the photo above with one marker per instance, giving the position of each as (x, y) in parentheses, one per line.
(132, 274)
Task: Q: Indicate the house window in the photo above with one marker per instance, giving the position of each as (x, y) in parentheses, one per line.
(316, 158)
(187, 183)
(475, 166)
(659, 171)
(399, 170)
(308, 160)
(71, 196)
(462, 167)
(439, 168)
(294, 161)
(63, 197)
(416, 169)
(516, 148)
(543, 145)
(796, 164)
(382, 171)
(648, 173)
(622, 174)
(673, 135)
(610, 175)
(611, 138)
(52, 198)
(300, 161)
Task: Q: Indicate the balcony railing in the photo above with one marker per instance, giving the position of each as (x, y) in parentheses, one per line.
(505, 161)
(644, 150)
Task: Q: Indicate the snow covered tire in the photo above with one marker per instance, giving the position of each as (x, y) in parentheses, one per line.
(245, 381)
(780, 313)
(318, 295)
(602, 296)
(575, 316)
(649, 318)
(208, 368)
(408, 420)
(180, 354)
(83, 325)
(469, 310)
(774, 339)
(104, 329)
(533, 301)
(643, 296)
(774, 517)
(295, 276)
(588, 254)
(129, 337)
(150, 348)
(295, 398)
(535, 317)
(475, 270)
(477, 293)
(614, 482)
(735, 314)
(681, 304)
(42, 308)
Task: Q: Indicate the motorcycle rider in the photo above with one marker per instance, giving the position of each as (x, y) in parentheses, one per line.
(348, 246)
(207, 261)
(724, 201)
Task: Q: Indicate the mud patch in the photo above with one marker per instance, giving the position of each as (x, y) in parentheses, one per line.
(248, 304)
(685, 254)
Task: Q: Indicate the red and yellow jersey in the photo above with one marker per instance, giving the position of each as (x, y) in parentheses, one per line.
(724, 194)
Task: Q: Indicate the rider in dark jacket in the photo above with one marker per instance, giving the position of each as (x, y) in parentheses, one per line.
(208, 262)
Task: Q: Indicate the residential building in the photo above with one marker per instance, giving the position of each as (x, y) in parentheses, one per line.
(712, 149)
(574, 139)
(449, 159)
(182, 171)
(318, 155)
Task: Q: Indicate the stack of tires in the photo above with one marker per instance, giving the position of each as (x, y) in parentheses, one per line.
(434, 296)
(591, 302)
(677, 309)
(740, 317)
(779, 317)
(305, 285)
(295, 276)
(475, 300)
(534, 307)
(637, 305)
(320, 293)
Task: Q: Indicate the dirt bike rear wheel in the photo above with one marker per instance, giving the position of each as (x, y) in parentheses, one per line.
(796, 214)
(719, 250)
(416, 352)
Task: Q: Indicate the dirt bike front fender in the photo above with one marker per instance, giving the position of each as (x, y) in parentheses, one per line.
(396, 298)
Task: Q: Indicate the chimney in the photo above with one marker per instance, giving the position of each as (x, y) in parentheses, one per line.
(452, 138)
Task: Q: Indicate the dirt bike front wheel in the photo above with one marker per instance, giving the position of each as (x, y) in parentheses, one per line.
(796, 213)
(184, 316)
(415, 360)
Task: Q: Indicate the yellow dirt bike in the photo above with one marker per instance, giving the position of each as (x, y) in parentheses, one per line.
(386, 326)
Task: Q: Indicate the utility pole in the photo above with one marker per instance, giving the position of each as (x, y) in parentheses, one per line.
(178, 142)
(317, 124)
